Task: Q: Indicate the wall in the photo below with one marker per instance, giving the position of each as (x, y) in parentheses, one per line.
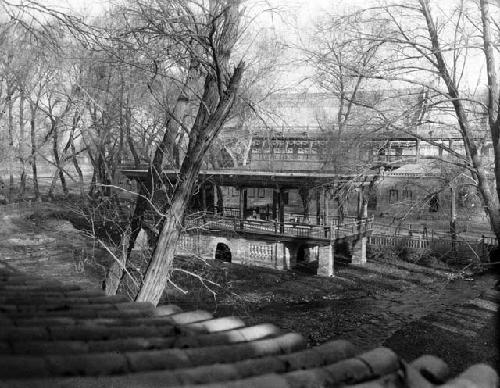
(409, 197)
(270, 254)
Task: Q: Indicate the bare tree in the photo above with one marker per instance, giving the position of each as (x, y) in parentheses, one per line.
(201, 38)
(437, 48)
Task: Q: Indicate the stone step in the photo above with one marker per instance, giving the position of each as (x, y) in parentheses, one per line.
(96, 364)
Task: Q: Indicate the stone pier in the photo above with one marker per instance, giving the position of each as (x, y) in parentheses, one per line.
(271, 253)
(358, 251)
(326, 257)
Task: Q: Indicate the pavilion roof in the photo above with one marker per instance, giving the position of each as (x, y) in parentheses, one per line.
(251, 178)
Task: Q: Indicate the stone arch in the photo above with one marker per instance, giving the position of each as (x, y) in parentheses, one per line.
(305, 258)
(223, 253)
(223, 244)
(302, 254)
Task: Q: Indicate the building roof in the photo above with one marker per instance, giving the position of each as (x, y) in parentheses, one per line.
(63, 335)
(251, 178)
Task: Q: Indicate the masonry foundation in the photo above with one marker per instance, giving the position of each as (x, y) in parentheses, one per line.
(359, 251)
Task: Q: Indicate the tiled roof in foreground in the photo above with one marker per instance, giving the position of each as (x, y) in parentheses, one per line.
(60, 335)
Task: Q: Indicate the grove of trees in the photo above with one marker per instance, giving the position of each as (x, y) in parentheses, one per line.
(153, 83)
(446, 54)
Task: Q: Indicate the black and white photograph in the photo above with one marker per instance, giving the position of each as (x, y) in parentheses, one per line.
(249, 193)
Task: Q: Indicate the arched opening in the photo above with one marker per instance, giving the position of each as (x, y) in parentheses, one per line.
(301, 255)
(223, 253)
(306, 260)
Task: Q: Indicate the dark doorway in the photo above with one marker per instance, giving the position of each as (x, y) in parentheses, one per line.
(301, 255)
(305, 263)
(223, 253)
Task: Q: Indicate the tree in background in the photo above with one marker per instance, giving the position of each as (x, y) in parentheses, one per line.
(436, 49)
(190, 45)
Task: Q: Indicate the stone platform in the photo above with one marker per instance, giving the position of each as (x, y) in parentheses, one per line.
(64, 335)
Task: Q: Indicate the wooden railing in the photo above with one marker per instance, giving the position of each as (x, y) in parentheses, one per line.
(213, 222)
(481, 246)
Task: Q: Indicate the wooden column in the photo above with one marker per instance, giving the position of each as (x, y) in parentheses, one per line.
(325, 206)
(326, 220)
(318, 207)
(275, 205)
(243, 202)
(305, 197)
(418, 150)
(281, 210)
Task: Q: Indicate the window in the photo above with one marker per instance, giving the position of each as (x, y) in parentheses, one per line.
(251, 192)
(256, 146)
(372, 201)
(303, 147)
(262, 192)
(407, 194)
(434, 204)
(393, 195)
(235, 191)
(265, 146)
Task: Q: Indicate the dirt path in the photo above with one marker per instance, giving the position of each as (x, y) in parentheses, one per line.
(50, 248)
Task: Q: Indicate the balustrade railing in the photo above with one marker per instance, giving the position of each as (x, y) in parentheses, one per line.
(481, 246)
(210, 221)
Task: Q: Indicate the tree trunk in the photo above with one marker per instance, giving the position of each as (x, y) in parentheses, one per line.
(158, 271)
(22, 159)
(130, 141)
(220, 199)
(74, 159)
(153, 180)
(57, 160)
(203, 132)
(10, 118)
(146, 194)
(491, 202)
(53, 183)
(36, 189)
(213, 109)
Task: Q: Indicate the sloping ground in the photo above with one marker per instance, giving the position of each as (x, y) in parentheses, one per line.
(393, 304)
(63, 335)
(411, 309)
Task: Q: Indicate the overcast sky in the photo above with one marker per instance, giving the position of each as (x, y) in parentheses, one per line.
(303, 9)
(290, 14)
